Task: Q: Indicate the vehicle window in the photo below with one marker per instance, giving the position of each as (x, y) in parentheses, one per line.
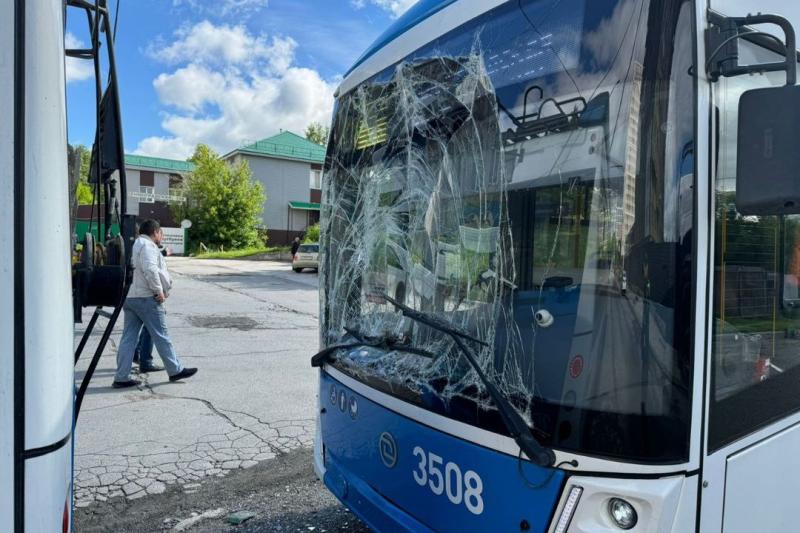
(529, 178)
(756, 326)
(308, 248)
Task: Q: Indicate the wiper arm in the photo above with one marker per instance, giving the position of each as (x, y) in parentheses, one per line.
(519, 430)
(383, 342)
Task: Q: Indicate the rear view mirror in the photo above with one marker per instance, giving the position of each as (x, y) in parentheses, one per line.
(768, 152)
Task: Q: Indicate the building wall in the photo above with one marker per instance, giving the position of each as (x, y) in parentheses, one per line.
(158, 210)
(132, 181)
(284, 181)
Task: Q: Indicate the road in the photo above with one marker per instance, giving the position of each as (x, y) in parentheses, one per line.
(250, 327)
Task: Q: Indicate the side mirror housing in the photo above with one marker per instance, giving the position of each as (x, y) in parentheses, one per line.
(768, 152)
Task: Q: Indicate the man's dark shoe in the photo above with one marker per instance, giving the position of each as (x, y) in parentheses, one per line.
(183, 374)
(126, 384)
(150, 368)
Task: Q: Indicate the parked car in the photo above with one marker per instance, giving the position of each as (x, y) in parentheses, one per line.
(307, 256)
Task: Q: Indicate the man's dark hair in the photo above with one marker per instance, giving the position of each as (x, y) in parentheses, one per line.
(149, 227)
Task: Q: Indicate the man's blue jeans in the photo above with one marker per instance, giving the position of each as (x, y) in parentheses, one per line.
(144, 350)
(147, 313)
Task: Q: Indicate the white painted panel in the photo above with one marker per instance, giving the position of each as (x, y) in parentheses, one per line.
(173, 239)
(6, 265)
(656, 502)
(44, 502)
(161, 182)
(762, 485)
(48, 299)
(132, 184)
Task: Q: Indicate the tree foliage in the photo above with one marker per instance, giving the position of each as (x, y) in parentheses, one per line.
(223, 202)
(312, 233)
(317, 133)
(84, 194)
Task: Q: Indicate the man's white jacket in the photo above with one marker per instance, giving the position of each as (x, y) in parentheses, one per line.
(150, 274)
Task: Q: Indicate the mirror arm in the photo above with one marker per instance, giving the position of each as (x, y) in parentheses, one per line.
(722, 37)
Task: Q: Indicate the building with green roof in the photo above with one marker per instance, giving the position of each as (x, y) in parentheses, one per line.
(290, 169)
(153, 183)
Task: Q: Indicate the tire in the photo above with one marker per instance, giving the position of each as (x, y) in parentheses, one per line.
(298, 270)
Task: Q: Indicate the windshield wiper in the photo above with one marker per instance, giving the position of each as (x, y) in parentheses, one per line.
(383, 342)
(519, 430)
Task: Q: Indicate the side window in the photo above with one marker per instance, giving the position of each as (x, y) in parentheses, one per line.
(755, 375)
(316, 179)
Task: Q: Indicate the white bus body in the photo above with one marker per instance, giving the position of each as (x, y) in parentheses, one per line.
(36, 361)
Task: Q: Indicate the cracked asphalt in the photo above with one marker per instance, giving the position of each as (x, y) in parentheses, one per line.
(250, 327)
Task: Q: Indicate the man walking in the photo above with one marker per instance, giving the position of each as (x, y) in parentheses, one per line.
(144, 307)
(143, 355)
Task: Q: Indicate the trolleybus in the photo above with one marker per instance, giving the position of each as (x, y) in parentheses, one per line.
(559, 263)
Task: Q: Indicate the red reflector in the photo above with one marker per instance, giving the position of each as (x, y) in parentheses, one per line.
(65, 517)
(576, 366)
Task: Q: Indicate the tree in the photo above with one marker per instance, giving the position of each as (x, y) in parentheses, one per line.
(317, 133)
(80, 192)
(79, 158)
(312, 233)
(223, 202)
(84, 191)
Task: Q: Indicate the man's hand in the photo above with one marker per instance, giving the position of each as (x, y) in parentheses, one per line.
(160, 297)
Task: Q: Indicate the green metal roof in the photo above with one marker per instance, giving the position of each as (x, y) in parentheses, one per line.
(158, 163)
(304, 206)
(286, 145)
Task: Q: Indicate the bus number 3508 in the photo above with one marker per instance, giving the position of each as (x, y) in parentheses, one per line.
(466, 488)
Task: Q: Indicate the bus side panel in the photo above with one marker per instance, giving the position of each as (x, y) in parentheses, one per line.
(6, 266)
(48, 299)
(761, 485)
(45, 504)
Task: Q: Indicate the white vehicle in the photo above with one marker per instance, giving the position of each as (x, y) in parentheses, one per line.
(307, 256)
(38, 400)
(564, 153)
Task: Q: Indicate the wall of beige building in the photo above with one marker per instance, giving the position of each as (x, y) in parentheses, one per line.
(284, 181)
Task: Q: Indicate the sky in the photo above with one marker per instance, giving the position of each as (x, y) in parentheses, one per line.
(223, 72)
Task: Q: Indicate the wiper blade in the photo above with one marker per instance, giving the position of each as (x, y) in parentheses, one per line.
(519, 430)
(383, 342)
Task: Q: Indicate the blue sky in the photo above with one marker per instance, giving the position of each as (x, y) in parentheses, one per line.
(224, 72)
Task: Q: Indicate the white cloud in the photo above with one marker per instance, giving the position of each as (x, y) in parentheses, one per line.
(189, 88)
(225, 45)
(77, 69)
(395, 7)
(229, 86)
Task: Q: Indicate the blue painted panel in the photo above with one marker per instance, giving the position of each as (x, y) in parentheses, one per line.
(388, 497)
(415, 14)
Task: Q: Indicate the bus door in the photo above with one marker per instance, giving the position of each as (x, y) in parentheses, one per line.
(751, 470)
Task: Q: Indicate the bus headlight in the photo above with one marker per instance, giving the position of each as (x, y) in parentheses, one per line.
(622, 513)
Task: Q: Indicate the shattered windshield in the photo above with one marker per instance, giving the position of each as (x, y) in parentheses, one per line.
(529, 179)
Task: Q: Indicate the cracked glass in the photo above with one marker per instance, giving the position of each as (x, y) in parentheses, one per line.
(528, 178)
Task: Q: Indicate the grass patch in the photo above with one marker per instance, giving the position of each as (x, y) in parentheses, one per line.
(238, 254)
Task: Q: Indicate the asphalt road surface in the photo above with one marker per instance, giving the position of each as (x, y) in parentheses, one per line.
(224, 437)
(283, 494)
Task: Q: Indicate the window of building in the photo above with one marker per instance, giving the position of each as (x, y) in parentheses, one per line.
(147, 194)
(316, 179)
